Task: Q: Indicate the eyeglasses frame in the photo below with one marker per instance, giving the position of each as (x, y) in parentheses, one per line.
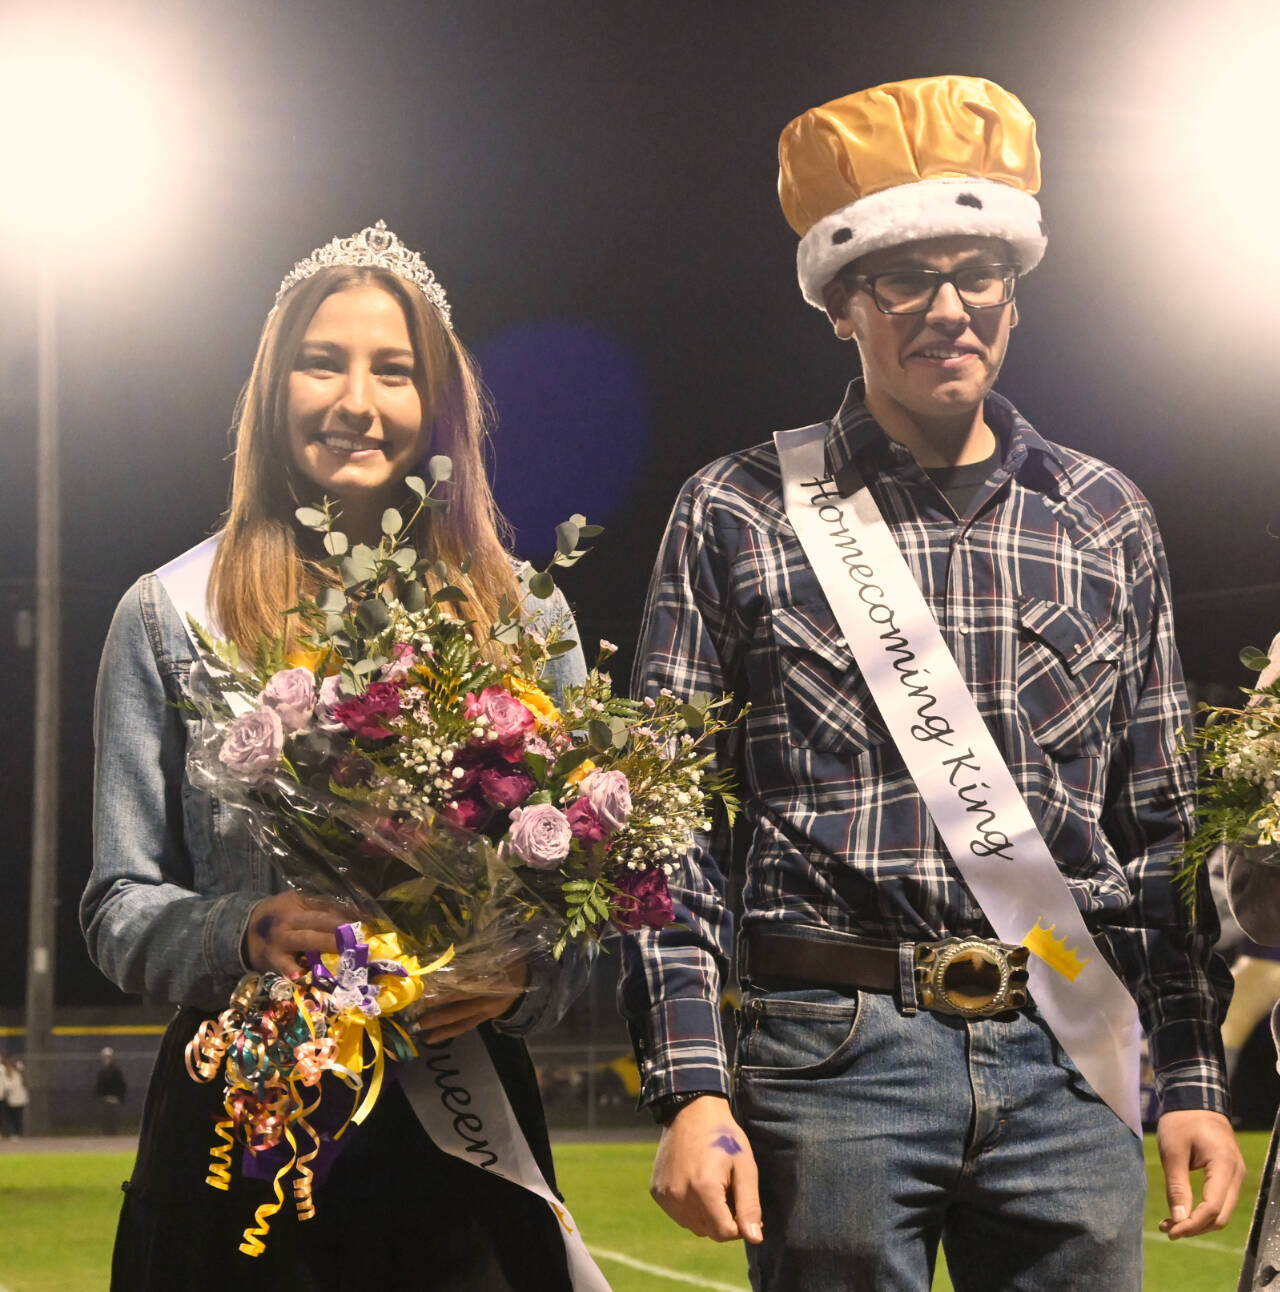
(1011, 274)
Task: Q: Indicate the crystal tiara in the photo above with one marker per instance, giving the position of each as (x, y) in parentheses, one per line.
(375, 247)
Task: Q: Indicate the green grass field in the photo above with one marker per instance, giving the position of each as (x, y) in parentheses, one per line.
(58, 1210)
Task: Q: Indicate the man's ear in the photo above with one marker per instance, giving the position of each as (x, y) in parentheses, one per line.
(1013, 315)
(835, 297)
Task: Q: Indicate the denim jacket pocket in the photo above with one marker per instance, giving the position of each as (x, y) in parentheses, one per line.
(797, 1034)
(1068, 670)
(828, 705)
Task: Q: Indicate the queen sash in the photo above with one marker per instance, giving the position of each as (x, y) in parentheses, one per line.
(453, 1089)
(962, 777)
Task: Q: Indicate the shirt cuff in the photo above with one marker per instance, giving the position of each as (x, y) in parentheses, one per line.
(680, 1047)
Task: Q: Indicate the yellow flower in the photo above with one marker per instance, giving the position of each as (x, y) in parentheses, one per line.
(534, 699)
(583, 770)
(318, 660)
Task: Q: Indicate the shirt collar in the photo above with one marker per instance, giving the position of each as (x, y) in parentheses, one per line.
(856, 442)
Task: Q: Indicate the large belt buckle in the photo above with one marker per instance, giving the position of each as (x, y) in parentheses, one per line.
(971, 977)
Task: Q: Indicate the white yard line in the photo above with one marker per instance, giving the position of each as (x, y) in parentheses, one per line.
(603, 1254)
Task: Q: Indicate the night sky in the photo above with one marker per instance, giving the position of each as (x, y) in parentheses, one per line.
(595, 185)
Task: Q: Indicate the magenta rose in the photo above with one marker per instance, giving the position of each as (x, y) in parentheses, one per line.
(506, 786)
(644, 900)
(610, 794)
(327, 702)
(253, 744)
(292, 694)
(510, 723)
(368, 715)
(470, 814)
(541, 835)
(587, 827)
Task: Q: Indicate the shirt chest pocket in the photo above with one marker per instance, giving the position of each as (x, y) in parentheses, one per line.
(1068, 668)
(828, 706)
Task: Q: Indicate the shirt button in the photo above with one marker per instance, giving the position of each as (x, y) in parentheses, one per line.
(962, 629)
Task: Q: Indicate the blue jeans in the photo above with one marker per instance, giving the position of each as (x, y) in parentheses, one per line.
(878, 1134)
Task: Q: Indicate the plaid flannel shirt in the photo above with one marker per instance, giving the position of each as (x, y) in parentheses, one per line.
(1052, 593)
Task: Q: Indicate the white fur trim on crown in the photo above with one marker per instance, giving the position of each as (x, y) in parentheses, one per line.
(928, 208)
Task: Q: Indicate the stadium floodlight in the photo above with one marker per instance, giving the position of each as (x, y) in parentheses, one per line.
(80, 158)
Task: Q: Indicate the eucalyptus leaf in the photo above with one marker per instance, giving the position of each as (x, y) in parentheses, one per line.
(392, 522)
(405, 558)
(464, 565)
(574, 758)
(332, 601)
(599, 735)
(1254, 659)
(449, 593)
(693, 717)
(562, 647)
(537, 764)
(590, 531)
(333, 624)
(414, 596)
(441, 569)
(311, 518)
(373, 615)
(335, 542)
(363, 666)
(566, 538)
(440, 467)
(416, 485)
(541, 584)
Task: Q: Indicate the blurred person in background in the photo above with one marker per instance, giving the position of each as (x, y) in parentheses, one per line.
(109, 1089)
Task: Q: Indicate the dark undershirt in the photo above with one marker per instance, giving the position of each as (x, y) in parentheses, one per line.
(959, 485)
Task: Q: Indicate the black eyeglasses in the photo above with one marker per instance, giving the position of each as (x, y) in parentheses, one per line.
(912, 291)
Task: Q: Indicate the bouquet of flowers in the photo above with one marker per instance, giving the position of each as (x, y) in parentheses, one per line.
(1239, 752)
(395, 762)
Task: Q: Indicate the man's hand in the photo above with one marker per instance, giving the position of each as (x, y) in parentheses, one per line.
(452, 1013)
(704, 1177)
(1195, 1140)
(283, 927)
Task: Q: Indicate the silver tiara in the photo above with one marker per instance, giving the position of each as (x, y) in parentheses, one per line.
(376, 247)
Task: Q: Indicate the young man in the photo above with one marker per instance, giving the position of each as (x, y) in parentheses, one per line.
(956, 643)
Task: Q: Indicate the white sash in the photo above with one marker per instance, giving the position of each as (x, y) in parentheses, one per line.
(455, 1093)
(969, 791)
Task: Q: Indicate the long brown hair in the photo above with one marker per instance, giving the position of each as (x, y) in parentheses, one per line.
(260, 568)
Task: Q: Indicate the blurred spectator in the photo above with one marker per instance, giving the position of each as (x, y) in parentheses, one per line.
(14, 1084)
(109, 1088)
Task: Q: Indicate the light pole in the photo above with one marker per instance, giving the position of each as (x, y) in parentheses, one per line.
(43, 903)
(77, 150)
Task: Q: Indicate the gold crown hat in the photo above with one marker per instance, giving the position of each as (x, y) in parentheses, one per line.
(925, 158)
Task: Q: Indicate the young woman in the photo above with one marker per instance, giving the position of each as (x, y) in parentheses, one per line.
(358, 378)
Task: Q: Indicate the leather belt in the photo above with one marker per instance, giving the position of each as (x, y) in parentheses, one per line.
(968, 977)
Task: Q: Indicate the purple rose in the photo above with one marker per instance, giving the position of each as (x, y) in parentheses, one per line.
(540, 835)
(368, 715)
(292, 694)
(470, 814)
(507, 786)
(510, 722)
(587, 827)
(610, 795)
(644, 900)
(253, 743)
(327, 703)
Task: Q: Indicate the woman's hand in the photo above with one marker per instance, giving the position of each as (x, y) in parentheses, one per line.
(456, 1012)
(288, 925)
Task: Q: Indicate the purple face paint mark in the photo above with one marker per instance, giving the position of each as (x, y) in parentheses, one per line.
(264, 926)
(729, 1144)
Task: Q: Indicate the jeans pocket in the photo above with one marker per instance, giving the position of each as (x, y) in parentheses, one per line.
(802, 1035)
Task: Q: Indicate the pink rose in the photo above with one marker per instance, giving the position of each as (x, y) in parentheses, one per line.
(253, 743)
(507, 786)
(368, 715)
(510, 723)
(587, 828)
(541, 835)
(644, 902)
(610, 795)
(292, 694)
(403, 658)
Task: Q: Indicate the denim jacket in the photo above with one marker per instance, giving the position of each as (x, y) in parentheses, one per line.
(175, 872)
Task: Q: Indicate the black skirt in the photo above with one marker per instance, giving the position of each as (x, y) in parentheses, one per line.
(395, 1209)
